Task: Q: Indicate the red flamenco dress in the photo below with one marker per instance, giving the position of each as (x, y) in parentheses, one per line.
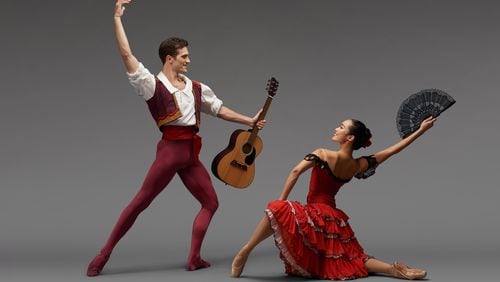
(315, 240)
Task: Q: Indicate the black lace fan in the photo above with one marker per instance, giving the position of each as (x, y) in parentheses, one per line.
(419, 106)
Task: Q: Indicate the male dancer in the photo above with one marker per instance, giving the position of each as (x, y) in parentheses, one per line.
(175, 103)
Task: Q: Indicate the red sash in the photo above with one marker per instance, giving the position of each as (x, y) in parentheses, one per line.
(176, 132)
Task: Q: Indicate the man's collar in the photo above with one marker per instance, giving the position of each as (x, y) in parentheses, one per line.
(172, 89)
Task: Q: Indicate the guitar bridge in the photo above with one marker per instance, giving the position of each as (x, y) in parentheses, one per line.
(238, 165)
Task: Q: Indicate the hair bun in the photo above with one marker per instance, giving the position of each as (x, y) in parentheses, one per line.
(361, 133)
(367, 143)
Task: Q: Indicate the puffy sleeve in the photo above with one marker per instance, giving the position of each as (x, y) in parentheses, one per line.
(143, 82)
(314, 158)
(372, 165)
(210, 104)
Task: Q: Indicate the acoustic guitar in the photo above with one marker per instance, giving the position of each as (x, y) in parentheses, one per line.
(235, 165)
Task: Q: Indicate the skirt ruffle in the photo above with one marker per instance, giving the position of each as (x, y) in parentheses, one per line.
(315, 240)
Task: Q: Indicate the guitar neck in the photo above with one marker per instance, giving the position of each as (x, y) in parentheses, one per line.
(262, 115)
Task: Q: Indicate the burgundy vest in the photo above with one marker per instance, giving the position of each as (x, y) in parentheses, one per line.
(164, 108)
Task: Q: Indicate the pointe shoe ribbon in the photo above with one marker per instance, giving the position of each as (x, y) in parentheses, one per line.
(404, 272)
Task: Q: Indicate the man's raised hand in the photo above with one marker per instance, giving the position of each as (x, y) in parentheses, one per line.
(119, 8)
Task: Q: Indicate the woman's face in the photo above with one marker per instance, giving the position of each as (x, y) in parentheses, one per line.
(342, 133)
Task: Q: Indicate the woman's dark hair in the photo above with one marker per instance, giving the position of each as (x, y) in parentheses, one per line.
(170, 46)
(362, 134)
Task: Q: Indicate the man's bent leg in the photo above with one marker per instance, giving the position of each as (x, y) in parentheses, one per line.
(197, 181)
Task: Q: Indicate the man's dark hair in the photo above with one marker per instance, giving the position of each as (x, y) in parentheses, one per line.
(170, 46)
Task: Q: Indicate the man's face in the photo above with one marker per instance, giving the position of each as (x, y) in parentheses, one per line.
(180, 62)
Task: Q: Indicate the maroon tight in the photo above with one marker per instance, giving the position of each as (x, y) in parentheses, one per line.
(172, 156)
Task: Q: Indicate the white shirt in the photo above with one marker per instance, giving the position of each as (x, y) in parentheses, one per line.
(144, 84)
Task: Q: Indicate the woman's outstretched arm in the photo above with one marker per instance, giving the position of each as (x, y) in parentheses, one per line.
(398, 147)
(381, 156)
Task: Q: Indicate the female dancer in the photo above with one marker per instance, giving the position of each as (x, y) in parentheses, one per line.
(315, 240)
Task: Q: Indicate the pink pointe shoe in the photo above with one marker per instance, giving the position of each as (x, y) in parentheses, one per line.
(238, 265)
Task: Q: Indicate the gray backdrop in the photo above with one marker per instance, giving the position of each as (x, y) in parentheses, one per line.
(76, 141)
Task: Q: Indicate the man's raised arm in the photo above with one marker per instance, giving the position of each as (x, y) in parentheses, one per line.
(129, 60)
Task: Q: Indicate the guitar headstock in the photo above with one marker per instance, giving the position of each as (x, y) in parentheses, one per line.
(272, 86)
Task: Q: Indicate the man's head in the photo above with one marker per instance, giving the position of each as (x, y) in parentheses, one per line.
(170, 51)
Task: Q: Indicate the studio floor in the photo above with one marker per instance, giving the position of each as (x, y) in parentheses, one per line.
(264, 265)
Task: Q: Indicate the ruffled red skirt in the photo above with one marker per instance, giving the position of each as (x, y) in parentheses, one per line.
(315, 240)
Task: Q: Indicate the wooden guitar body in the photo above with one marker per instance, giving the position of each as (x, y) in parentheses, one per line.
(235, 165)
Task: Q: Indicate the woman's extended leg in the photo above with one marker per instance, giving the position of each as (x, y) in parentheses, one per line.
(396, 269)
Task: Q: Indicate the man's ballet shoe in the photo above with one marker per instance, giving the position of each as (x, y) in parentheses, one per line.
(97, 264)
(198, 264)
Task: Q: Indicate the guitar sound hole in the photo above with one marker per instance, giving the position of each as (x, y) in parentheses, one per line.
(247, 149)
